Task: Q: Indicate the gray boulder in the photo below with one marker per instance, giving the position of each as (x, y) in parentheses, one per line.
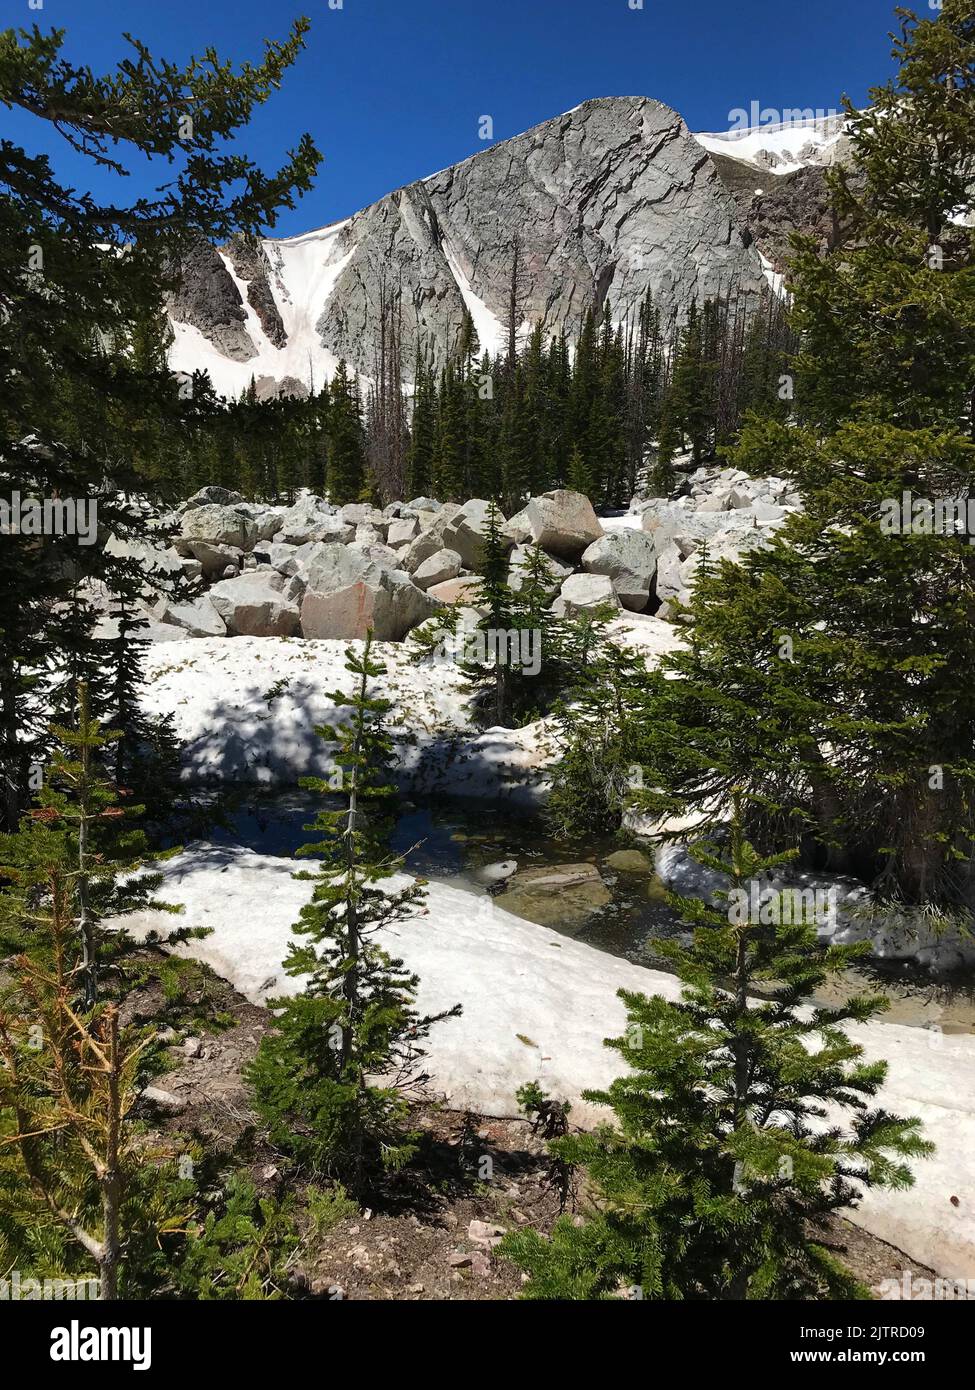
(311, 519)
(385, 600)
(154, 561)
(220, 526)
(196, 618)
(360, 513)
(430, 540)
(563, 522)
(266, 519)
(629, 559)
(402, 531)
(441, 566)
(581, 593)
(258, 604)
(216, 496)
(520, 561)
(214, 558)
(518, 530)
(466, 531)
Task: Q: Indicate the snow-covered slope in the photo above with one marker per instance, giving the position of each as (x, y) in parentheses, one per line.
(781, 147)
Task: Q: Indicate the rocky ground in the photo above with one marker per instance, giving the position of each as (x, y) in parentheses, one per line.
(431, 1236)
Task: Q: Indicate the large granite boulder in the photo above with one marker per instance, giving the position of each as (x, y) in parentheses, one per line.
(385, 600)
(260, 603)
(196, 618)
(311, 519)
(352, 588)
(563, 522)
(220, 526)
(212, 495)
(266, 519)
(402, 530)
(584, 593)
(629, 559)
(212, 557)
(521, 558)
(430, 539)
(217, 526)
(441, 566)
(466, 531)
(155, 562)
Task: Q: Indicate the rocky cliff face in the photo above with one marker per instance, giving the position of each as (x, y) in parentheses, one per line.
(608, 201)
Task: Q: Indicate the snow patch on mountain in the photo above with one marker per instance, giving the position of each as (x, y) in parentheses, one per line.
(490, 332)
(778, 148)
(304, 272)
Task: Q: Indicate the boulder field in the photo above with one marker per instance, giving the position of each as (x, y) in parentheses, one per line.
(234, 568)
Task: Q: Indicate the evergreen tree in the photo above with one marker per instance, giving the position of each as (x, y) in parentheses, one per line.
(718, 1177)
(423, 435)
(832, 675)
(87, 409)
(346, 455)
(599, 729)
(496, 626)
(331, 1078)
(74, 1184)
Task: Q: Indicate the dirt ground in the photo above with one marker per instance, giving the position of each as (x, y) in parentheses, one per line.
(434, 1237)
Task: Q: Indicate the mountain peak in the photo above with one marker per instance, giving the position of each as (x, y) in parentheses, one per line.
(608, 201)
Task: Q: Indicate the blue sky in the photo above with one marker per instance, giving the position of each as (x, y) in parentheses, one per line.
(392, 90)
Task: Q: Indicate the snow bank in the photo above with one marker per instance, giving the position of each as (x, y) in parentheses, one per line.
(537, 1006)
(246, 709)
(304, 271)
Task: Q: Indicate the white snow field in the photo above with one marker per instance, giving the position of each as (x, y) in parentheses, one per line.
(304, 271)
(247, 708)
(538, 1005)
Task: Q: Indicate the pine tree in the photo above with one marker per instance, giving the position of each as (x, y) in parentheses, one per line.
(332, 1078)
(599, 729)
(496, 626)
(833, 675)
(718, 1177)
(423, 434)
(82, 283)
(67, 1083)
(346, 455)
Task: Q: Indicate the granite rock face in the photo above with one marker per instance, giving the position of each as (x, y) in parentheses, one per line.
(207, 298)
(607, 201)
(250, 262)
(610, 200)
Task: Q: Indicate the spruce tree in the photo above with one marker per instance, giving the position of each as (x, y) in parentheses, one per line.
(832, 674)
(83, 280)
(718, 1177)
(74, 1183)
(332, 1078)
(346, 454)
(496, 626)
